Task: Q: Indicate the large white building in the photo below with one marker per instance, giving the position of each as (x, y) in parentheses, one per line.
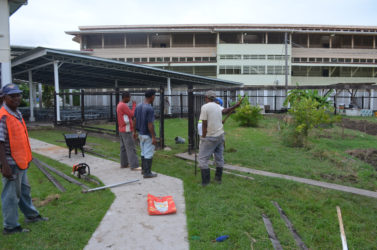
(247, 53)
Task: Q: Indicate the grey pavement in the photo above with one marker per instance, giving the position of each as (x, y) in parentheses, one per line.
(322, 184)
(127, 224)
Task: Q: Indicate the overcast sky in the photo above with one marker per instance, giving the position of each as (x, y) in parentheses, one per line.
(43, 22)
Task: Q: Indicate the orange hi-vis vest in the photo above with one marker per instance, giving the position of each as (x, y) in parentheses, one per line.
(18, 139)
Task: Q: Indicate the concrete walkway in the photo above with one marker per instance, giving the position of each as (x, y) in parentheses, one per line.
(358, 191)
(127, 224)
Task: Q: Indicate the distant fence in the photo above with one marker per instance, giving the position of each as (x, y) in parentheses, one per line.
(102, 105)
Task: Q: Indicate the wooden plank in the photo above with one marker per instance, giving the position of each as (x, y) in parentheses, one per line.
(271, 234)
(289, 224)
(342, 233)
(327, 185)
(51, 178)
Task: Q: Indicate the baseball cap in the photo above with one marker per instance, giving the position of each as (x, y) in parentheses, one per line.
(210, 94)
(11, 88)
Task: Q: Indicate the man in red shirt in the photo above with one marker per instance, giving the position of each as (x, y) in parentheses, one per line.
(128, 156)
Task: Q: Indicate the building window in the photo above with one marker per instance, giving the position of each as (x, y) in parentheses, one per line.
(93, 41)
(136, 40)
(230, 37)
(136, 59)
(144, 59)
(258, 37)
(254, 57)
(182, 40)
(205, 40)
(129, 59)
(230, 70)
(254, 70)
(190, 59)
(152, 59)
(166, 59)
(230, 57)
(175, 59)
(276, 70)
(113, 40)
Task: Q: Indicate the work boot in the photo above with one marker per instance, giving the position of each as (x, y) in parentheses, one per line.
(35, 219)
(206, 176)
(18, 229)
(148, 169)
(218, 174)
(142, 165)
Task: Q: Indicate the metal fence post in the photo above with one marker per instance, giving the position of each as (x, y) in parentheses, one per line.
(82, 106)
(181, 102)
(111, 107)
(162, 109)
(190, 119)
(55, 111)
(116, 115)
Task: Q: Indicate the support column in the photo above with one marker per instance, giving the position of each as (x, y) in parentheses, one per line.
(34, 95)
(371, 98)
(265, 98)
(70, 98)
(40, 95)
(56, 81)
(31, 101)
(169, 96)
(6, 71)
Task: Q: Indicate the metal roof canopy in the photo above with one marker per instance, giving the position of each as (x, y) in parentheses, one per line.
(78, 71)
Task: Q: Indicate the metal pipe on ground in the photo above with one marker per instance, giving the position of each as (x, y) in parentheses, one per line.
(108, 186)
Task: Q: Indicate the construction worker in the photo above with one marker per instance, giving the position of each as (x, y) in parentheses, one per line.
(15, 156)
(212, 137)
(143, 124)
(128, 156)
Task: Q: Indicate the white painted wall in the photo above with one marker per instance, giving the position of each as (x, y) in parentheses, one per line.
(253, 49)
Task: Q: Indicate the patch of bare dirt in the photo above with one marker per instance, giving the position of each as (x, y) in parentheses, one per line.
(40, 203)
(360, 125)
(367, 155)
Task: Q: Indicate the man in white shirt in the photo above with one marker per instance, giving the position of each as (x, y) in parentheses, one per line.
(212, 137)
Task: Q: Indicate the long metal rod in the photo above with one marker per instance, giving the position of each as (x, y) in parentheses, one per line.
(109, 186)
(289, 224)
(49, 176)
(61, 174)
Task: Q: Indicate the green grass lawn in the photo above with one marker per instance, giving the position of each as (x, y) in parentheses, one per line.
(235, 207)
(73, 217)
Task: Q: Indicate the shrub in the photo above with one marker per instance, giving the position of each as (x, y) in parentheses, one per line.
(309, 110)
(247, 115)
